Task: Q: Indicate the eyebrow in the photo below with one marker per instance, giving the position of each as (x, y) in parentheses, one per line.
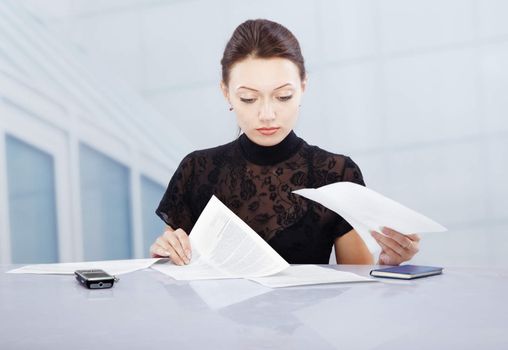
(248, 88)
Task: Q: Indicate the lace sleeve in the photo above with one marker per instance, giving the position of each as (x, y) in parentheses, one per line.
(174, 208)
(351, 173)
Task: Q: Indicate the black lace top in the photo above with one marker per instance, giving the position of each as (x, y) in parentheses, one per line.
(255, 182)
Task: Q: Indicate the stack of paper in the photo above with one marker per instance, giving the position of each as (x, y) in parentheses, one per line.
(224, 246)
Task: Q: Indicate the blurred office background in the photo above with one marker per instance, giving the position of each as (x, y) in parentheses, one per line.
(99, 101)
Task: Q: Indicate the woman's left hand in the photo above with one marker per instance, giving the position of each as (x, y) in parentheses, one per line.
(396, 247)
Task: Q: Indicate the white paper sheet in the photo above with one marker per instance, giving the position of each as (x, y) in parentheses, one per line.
(299, 275)
(223, 246)
(113, 267)
(198, 269)
(367, 210)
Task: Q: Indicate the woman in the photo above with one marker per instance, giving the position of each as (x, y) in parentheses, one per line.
(263, 80)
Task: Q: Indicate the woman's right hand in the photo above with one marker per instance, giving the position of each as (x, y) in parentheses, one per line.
(174, 244)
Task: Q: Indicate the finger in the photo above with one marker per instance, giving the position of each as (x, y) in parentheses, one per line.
(174, 257)
(185, 242)
(414, 237)
(384, 259)
(159, 252)
(161, 245)
(163, 242)
(400, 238)
(397, 258)
(413, 248)
(389, 256)
(388, 241)
(391, 252)
(154, 253)
(175, 244)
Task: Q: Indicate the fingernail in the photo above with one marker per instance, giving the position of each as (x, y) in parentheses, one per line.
(188, 253)
(168, 254)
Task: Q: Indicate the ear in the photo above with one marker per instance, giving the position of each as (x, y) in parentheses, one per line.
(304, 84)
(225, 90)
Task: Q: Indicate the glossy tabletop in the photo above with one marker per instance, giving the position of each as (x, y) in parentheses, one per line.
(465, 308)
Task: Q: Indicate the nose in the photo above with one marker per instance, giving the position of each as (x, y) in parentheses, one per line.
(266, 113)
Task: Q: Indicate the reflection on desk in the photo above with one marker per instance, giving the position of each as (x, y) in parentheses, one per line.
(463, 308)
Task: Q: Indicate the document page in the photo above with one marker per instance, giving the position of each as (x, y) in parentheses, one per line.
(198, 269)
(299, 275)
(367, 210)
(224, 246)
(113, 267)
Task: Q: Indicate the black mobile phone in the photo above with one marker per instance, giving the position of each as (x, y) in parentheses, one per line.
(95, 279)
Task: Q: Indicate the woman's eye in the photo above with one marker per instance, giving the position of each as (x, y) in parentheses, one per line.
(284, 98)
(248, 100)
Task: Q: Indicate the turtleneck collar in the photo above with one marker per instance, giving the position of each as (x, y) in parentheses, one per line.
(270, 155)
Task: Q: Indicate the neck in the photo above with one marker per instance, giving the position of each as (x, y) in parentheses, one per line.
(270, 155)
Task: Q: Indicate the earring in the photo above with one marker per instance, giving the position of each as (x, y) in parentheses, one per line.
(230, 109)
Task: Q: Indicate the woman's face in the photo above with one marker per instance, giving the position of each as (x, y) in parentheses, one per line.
(265, 95)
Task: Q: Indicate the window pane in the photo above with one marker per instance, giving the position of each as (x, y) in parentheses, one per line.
(151, 194)
(105, 205)
(32, 203)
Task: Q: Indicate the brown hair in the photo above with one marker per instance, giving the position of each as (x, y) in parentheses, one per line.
(261, 38)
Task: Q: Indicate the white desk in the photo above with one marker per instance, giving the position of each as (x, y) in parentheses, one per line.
(461, 309)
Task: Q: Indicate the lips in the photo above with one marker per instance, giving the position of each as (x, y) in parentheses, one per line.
(267, 131)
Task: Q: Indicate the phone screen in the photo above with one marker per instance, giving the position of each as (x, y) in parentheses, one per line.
(96, 274)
